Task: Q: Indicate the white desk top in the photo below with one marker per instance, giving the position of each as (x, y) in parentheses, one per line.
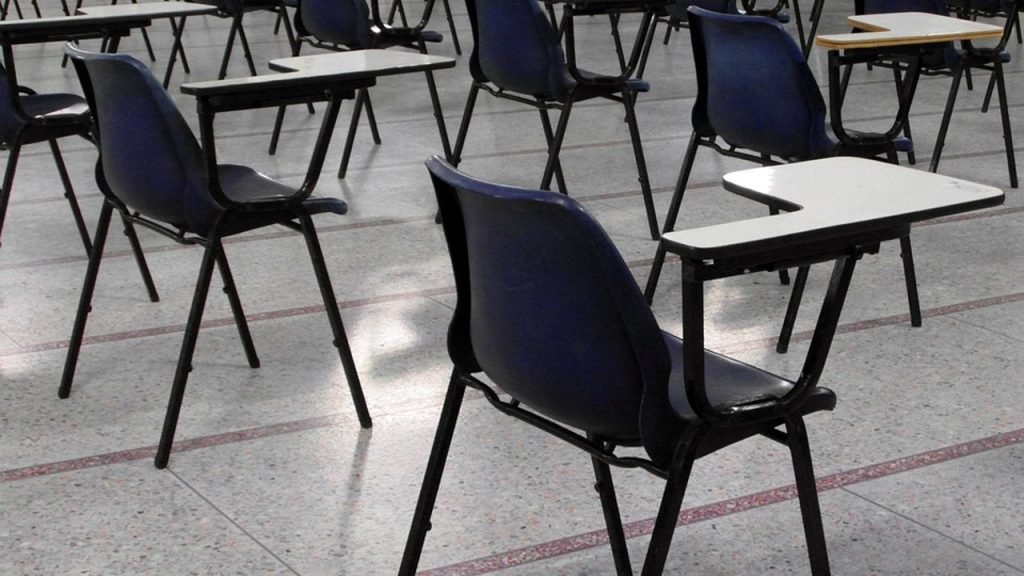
(829, 198)
(355, 65)
(147, 10)
(907, 28)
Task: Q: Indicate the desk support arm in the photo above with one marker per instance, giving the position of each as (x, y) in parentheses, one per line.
(760, 410)
(835, 89)
(207, 111)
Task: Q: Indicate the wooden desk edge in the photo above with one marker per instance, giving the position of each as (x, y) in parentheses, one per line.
(879, 39)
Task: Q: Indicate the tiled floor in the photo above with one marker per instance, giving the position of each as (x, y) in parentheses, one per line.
(921, 464)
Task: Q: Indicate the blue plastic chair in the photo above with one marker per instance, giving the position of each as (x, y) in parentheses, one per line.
(549, 312)
(346, 25)
(517, 56)
(153, 172)
(756, 94)
(28, 118)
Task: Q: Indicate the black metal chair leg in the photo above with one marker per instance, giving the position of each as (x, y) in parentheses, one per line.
(245, 48)
(275, 135)
(641, 164)
(177, 28)
(613, 20)
(69, 193)
(947, 114)
(988, 94)
(371, 120)
(672, 215)
(5, 191)
(188, 346)
(556, 146)
(795, 296)
(910, 276)
(435, 102)
(549, 137)
(353, 126)
(85, 301)
(432, 476)
(235, 24)
(807, 492)
(804, 48)
(898, 77)
(323, 280)
(467, 115)
(783, 274)
(231, 290)
(668, 511)
(451, 27)
(1011, 160)
(648, 41)
(140, 259)
(612, 519)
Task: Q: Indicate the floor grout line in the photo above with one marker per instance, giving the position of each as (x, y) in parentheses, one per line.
(932, 530)
(234, 523)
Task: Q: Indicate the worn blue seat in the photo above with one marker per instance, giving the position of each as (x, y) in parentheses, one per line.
(757, 100)
(548, 313)
(154, 173)
(517, 56)
(346, 25)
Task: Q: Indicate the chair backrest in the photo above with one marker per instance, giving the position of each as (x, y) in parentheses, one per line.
(342, 22)
(10, 120)
(149, 158)
(516, 49)
(547, 308)
(754, 88)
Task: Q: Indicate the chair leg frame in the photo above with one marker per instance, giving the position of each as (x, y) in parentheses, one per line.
(231, 291)
(8, 183)
(188, 346)
(85, 300)
(807, 493)
(672, 215)
(467, 116)
(69, 194)
(641, 164)
(612, 518)
(334, 317)
(671, 503)
(432, 475)
(549, 137)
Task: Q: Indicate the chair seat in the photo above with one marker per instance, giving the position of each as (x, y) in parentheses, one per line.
(55, 115)
(598, 85)
(403, 37)
(730, 381)
(243, 184)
